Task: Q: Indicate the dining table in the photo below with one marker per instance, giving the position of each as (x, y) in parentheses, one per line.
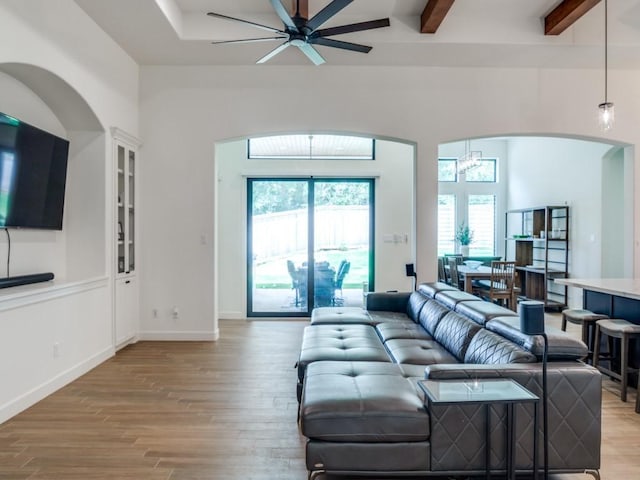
(470, 274)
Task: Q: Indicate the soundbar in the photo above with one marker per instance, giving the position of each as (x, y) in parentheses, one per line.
(25, 279)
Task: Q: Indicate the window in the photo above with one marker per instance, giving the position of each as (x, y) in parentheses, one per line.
(485, 172)
(309, 147)
(446, 224)
(471, 198)
(447, 171)
(482, 219)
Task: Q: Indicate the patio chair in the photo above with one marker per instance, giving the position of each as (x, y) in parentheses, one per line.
(295, 280)
(344, 268)
(324, 287)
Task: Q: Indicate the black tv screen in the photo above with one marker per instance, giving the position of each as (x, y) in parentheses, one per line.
(33, 171)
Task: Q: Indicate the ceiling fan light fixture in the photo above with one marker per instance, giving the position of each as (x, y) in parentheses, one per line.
(305, 33)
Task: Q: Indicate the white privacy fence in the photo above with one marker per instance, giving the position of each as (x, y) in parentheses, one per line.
(284, 234)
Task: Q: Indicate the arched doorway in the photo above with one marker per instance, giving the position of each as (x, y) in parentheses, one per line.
(390, 173)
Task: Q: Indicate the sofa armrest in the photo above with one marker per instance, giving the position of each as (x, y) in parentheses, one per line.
(387, 301)
(574, 396)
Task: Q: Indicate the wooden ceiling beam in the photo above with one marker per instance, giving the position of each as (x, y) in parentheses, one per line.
(303, 6)
(566, 14)
(434, 14)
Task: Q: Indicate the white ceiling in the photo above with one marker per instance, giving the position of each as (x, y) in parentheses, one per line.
(490, 33)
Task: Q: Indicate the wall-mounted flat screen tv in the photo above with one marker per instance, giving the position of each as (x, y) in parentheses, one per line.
(33, 172)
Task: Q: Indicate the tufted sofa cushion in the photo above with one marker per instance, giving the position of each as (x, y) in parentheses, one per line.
(378, 317)
(454, 332)
(489, 348)
(389, 331)
(481, 312)
(340, 342)
(431, 314)
(419, 352)
(361, 402)
(430, 289)
(415, 304)
(562, 346)
(450, 298)
(339, 315)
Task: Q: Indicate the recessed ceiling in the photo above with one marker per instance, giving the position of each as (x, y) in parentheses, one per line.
(490, 33)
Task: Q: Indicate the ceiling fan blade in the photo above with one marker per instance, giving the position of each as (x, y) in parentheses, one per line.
(247, 22)
(329, 42)
(283, 14)
(248, 40)
(353, 27)
(326, 13)
(312, 54)
(273, 52)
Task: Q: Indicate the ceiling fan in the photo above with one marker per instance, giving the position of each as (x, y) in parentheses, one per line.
(304, 33)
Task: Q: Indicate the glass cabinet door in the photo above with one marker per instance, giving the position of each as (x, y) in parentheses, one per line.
(125, 208)
(120, 158)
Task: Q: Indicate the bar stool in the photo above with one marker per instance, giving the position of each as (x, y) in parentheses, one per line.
(624, 330)
(587, 320)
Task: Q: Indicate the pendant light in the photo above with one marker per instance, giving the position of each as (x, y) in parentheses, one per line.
(606, 113)
(470, 159)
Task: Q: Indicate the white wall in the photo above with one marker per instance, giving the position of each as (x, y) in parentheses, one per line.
(75, 82)
(393, 170)
(555, 171)
(186, 110)
(614, 216)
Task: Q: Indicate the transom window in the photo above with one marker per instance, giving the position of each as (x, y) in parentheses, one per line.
(447, 170)
(311, 147)
(485, 172)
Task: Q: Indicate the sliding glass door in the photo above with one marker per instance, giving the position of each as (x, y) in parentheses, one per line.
(310, 244)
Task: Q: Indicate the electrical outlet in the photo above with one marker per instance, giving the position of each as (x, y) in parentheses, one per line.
(154, 312)
(174, 313)
(56, 350)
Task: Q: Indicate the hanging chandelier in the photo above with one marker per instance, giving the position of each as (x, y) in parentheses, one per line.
(470, 159)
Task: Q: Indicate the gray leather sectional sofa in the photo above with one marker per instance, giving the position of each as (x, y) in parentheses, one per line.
(363, 413)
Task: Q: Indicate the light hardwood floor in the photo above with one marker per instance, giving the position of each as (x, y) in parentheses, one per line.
(223, 410)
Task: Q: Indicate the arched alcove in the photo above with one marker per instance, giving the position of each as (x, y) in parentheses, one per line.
(46, 100)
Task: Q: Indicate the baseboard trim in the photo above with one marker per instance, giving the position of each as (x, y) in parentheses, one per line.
(232, 315)
(173, 336)
(28, 399)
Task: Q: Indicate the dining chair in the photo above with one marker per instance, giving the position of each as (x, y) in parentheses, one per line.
(454, 277)
(501, 283)
(457, 256)
(442, 272)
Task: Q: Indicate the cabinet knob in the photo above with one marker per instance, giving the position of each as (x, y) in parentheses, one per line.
(128, 281)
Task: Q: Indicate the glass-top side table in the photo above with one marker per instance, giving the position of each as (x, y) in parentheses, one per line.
(487, 392)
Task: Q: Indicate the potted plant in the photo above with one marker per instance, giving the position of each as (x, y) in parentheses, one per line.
(464, 237)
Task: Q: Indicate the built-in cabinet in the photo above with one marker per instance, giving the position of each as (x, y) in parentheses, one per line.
(538, 241)
(126, 310)
(125, 148)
